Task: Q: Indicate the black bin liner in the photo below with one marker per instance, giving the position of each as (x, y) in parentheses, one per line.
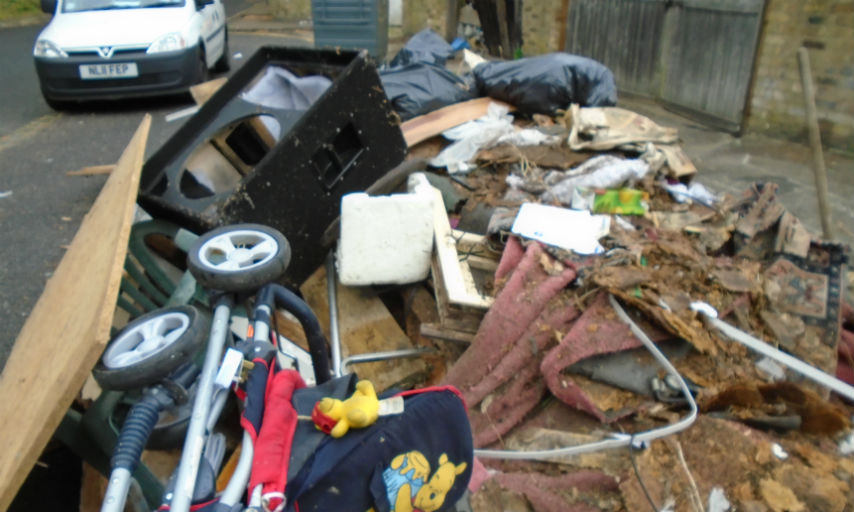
(547, 83)
(419, 88)
(425, 46)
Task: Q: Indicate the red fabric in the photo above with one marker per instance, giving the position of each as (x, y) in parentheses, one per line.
(273, 447)
(597, 331)
(510, 258)
(515, 399)
(479, 475)
(550, 493)
(503, 359)
(527, 350)
(517, 305)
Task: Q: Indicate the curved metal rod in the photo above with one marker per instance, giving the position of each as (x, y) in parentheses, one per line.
(617, 440)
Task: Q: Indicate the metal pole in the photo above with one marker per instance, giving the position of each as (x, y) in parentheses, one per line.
(382, 356)
(810, 372)
(117, 491)
(334, 335)
(815, 143)
(194, 443)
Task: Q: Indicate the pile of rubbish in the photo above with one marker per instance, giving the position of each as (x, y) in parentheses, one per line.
(595, 209)
(623, 337)
(552, 366)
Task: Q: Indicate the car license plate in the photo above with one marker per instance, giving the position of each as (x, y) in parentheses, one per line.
(112, 70)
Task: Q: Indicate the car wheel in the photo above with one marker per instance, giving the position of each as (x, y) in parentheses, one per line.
(151, 347)
(239, 258)
(202, 71)
(222, 64)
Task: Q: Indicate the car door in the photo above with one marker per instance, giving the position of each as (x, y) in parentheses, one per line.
(212, 29)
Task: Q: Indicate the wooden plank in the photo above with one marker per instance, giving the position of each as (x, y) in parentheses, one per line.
(203, 91)
(456, 279)
(69, 325)
(450, 316)
(214, 169)
(289, 327)
(365, 326)
(562, 19)
(440, 332)
(423, 127)
(677, 161)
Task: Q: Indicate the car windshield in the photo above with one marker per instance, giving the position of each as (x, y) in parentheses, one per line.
(105, 5)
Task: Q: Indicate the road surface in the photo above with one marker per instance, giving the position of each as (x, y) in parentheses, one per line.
(41, 207)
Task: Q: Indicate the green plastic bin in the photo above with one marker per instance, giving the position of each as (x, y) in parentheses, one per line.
(351, 24)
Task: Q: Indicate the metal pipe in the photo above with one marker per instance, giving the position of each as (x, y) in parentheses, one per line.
(781, 357)
(261, 331)
(334, 334)
(255, 497)
(219, 399)
(194, 443)
(233, 492)
(117, 491)
(617, 440)
(382, 356)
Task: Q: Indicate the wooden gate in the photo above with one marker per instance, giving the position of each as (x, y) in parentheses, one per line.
(696, 56)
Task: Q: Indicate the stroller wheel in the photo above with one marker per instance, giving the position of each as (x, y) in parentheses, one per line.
(239, 258)
(151, 347)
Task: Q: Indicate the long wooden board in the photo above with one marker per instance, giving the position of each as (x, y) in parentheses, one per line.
(421, 128)
(69, 325)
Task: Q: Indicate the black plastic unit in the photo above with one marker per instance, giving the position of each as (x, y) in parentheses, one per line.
(345, 141)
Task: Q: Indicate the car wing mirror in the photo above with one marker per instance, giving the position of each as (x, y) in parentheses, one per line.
(200, 4)
(48, 6)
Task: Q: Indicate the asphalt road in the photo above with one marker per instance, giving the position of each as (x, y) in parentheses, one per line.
(40, 206)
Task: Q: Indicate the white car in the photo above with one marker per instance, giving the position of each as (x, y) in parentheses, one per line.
(107, 49)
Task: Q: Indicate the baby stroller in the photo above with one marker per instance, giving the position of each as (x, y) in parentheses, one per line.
(298, 452)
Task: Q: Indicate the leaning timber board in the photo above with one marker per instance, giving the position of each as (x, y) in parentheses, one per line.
(69, 325)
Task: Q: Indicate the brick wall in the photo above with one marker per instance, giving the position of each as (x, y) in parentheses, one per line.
(421, 14)
(541, 26)
(826, 27)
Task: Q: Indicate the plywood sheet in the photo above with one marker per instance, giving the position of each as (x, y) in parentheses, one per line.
(365, 325)
(69, 325)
